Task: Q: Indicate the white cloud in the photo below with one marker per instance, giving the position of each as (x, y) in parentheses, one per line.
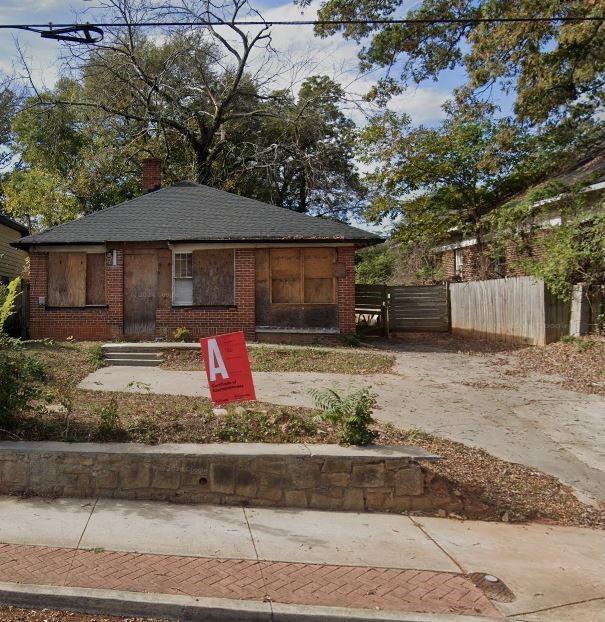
(423, 104)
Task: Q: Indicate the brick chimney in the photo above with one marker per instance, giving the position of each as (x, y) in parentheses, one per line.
(152, 174)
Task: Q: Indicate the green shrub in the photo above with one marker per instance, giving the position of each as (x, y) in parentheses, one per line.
(109, 418)
(374, 265)
(350, 340)
(8, 299)
(244, 426)
(95, 356)
(18, 376)
(351, 413)
(182, 334)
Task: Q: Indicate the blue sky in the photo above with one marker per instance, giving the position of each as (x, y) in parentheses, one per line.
(333, 56)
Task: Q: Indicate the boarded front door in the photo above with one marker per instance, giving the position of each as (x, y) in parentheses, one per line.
(140, 293)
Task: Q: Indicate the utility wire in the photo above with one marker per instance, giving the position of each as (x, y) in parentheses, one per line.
(312, 22)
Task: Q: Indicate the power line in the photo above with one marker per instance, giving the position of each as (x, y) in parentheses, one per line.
(311, 22)
(90, 33)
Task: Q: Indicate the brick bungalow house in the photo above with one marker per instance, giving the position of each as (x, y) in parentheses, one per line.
(469, 259)
(195, 257)
(12, 259)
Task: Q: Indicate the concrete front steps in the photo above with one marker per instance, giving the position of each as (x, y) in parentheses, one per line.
(132, 355)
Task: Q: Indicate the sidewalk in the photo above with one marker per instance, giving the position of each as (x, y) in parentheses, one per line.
(268, 560)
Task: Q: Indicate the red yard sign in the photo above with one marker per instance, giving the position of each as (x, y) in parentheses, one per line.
(228, 368)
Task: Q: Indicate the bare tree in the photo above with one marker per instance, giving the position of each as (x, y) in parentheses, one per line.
(195, 82)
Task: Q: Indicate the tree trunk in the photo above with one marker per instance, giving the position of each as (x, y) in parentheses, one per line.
(302, 193)
(202, 166)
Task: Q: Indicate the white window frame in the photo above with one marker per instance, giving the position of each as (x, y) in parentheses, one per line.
(177, 251)
(458, 261)
(174, 278)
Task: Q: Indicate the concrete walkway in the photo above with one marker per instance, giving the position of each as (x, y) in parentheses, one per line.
(471, 399)
(555, 573)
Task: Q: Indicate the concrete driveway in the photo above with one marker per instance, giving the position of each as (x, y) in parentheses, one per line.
(467, 398)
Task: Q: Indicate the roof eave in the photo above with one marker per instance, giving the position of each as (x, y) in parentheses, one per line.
(11, 224)
(356, 241)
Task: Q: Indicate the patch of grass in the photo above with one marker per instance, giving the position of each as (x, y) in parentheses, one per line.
(109, 418)
(152, 419)
(95, 353)
(268, 358)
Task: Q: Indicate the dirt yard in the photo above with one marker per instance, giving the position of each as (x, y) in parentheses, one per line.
(498, 487)
(14, 614)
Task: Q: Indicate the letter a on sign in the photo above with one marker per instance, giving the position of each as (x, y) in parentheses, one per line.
(228, 368)
(216, 365)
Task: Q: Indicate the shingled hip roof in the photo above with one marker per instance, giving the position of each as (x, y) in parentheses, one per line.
(189, 212)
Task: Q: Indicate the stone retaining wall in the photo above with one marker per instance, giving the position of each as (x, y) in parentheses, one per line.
(303, 476)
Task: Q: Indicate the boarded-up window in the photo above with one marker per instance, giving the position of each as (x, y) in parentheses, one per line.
(95, 279)
(213, 277)
(318, 271)
(66, 279)
(286, 275)
(302, 275)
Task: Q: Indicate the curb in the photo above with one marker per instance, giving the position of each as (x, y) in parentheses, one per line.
(189, 609)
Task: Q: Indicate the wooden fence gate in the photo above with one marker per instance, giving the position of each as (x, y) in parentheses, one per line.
(403, 308)
(422, 308)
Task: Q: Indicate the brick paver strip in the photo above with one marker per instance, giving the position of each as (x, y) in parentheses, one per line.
(295, 583)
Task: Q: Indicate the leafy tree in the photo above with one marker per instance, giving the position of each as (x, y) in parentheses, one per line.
(550, 65)
(39, 197)
(374, 265)
(192, 86)
(436, 179)
(69, 161)
(50, 137)
(306, 153)
(572, 252)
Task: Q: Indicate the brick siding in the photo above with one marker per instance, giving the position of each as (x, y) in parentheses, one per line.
(477, 263)
(104, 323)
(57, 322)
(345, 290)
(211, 321)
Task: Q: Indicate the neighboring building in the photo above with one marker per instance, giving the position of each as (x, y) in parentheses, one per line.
(471, 259)
(192, 256)
(12, 259)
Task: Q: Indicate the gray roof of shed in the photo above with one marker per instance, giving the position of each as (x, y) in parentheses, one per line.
(195, 213)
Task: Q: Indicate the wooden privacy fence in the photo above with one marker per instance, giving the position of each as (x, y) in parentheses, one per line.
(519, 310)
(421, 308)
(404, 308)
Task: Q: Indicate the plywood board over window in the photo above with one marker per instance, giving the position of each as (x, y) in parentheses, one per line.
(286, 275)
(95, 279)
(302, 275)
(318, 271)
(213, 277)
(66, 279)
